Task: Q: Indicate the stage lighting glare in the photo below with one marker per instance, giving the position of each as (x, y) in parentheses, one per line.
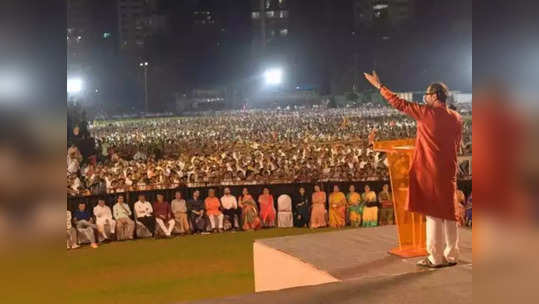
(273, 76)
(74, 85)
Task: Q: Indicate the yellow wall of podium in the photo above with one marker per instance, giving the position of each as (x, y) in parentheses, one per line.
(410, 225)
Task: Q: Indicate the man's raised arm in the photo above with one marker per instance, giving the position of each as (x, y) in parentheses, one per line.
(410, 108)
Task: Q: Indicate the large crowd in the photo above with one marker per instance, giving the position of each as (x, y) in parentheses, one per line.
(235, 148)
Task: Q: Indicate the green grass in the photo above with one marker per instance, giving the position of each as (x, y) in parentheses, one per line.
(166, 270)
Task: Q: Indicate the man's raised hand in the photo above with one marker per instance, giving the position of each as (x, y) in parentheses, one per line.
(373, 79)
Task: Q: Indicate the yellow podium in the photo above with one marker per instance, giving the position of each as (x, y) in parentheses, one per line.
(410, 225)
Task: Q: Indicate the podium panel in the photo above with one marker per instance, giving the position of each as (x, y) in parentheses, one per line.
(410, 225)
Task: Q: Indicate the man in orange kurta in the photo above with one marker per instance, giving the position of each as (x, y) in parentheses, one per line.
(213, 211)
(433, 173)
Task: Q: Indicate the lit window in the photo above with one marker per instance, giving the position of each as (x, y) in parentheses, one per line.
(106, 35)
(284, 32)
(268, 3)
(283, 14)
(270, 14)
(255, 15)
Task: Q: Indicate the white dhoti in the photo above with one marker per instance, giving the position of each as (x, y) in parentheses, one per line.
(102, 221)
(216, 219)
(166, 230)
(442, 240)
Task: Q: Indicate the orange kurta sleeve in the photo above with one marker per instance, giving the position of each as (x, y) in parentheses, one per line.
(412, 109)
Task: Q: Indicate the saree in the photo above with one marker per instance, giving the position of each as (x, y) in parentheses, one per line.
(318, 213)
(249, 213)
(370, 214)
(267, 210)
(355, 209)
(337, 209)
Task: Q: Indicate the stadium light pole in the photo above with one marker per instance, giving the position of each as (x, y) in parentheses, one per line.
(145, 66)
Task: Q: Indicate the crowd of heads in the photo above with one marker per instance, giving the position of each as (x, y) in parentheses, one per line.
(236, 147)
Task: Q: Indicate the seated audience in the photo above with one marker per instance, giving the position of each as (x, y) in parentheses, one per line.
(301, 209)
(196, 208)
(71, 233)
(230, 208)
(103, 216)
(337, 207)
(387, 210)
(468, 211)
(249, 212)
(144, 213)
(460, 211)
(354, 206)
(125, 226)
(370, 211)
(318, 213)
(179, 209)
(84, 224)
(163, 215)
(213, 211)
(267, 208)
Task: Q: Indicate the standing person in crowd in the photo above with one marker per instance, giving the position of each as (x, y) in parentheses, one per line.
(103, 216)
(386, 201)
(163, 215)
(213, 211)
(179, 209)
(337, 208)
(249, 212)
(354, 206)
(433, 173)
(71, 232)
(83, 222)
(301, 209)
(318, 213)
(143, 213)
(460, 202)
(196, 209)
(267, 208)
(370, 209)
(230, 208)
(125, 226)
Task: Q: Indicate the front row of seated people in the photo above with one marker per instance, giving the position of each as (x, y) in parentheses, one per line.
(243, 213)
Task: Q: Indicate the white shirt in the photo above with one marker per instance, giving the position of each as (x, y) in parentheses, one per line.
(102, 212)
(229, 201)
(143, 209)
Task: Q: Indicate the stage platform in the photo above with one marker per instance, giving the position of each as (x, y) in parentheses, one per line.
(352, 266)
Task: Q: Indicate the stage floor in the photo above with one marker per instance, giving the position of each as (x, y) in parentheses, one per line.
(356, 253)
(356, 267)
